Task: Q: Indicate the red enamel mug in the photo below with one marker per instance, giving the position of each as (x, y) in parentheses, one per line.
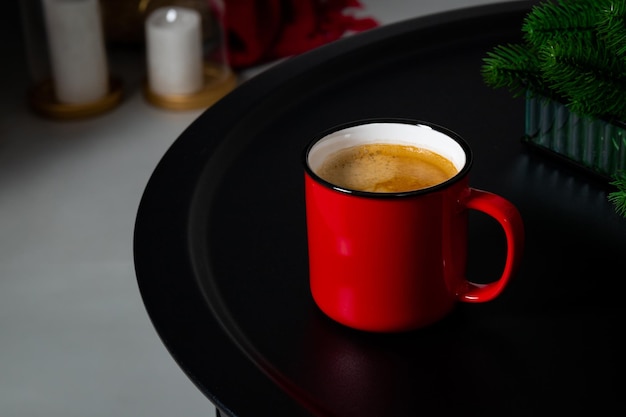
(396, 261)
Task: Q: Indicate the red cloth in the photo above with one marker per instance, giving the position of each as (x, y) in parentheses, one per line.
(258, 31)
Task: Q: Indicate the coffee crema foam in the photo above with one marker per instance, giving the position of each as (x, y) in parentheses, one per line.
(386, 168)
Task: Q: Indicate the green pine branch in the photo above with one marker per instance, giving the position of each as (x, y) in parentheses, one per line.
(514, 67)
(561, 20)
(587, 75)
(612, 28)
(573, 51)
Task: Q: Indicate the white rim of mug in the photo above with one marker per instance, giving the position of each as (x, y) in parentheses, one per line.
(327, 140)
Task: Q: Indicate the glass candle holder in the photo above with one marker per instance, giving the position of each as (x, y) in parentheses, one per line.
(186, 57)
(67, 58)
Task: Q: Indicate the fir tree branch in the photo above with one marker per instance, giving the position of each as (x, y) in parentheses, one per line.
(590, 77)
(612, 27)
(560, 20)
(573, 51)
(618, 198)
(514, 67)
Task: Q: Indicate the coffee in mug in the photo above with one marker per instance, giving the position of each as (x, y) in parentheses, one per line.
(387, 204)
(386, 168)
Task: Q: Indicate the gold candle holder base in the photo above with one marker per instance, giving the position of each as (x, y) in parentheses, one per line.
(43, 100)
(217, 84)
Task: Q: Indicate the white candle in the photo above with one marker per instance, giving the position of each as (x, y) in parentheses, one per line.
(174, 51)
(77, 52)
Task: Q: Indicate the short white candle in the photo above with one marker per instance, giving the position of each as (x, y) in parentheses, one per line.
(174, 51)
(77, 52)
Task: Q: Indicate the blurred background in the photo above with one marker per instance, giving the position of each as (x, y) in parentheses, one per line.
(75, 339)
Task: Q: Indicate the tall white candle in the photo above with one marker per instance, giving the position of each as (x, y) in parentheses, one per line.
(174, 51)
(77, 52)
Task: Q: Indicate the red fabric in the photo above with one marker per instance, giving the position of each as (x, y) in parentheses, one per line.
(258, 31)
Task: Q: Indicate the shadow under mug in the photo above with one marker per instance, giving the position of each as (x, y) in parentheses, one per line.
(390, 262)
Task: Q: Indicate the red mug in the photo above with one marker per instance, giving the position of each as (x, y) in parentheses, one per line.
(396, 261)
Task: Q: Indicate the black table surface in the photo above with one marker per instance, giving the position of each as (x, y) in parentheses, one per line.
(221, 262)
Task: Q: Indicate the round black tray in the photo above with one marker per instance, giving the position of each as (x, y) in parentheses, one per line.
(220, 245)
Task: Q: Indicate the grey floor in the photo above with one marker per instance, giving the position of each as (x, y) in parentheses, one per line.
(75, 340)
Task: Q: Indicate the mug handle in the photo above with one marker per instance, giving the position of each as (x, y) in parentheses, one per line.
(509, 218)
